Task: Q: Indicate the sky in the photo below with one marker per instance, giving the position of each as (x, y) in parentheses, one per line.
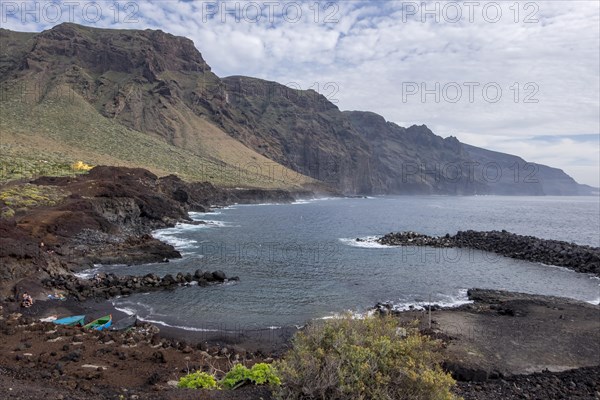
(521, 77)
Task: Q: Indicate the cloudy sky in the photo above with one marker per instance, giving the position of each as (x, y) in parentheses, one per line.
(518, 77)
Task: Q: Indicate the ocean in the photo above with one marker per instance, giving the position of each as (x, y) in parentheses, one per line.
(301, 261)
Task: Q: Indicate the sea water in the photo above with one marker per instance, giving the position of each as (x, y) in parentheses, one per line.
(301, 261)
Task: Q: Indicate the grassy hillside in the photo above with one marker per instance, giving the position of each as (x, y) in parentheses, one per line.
(61, 108)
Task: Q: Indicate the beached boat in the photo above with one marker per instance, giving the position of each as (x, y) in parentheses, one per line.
(73, 320)
(100, 323)
(124, 323)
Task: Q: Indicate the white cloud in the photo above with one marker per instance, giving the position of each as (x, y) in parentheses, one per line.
(376, 48)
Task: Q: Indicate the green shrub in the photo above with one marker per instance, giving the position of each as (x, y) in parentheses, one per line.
(198, 380)
(237, 374)
(264, 374)
(260, 374)
(7, 212)
(362, 359)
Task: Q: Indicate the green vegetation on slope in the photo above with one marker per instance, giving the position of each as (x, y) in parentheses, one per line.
(349, 359)
(63, 128)
(21, 197)
(238, 375)
(120, 97)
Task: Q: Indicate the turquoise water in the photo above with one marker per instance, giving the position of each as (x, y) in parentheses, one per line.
(301, 261)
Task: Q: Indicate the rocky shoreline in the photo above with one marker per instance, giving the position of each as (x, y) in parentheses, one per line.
(105, 216)
(584, 259)
(557, 336)
(111, 285)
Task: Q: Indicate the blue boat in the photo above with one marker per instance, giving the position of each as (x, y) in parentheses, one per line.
(71, 321)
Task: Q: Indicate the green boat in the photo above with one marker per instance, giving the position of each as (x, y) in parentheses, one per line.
(100, 323)
(71, 321)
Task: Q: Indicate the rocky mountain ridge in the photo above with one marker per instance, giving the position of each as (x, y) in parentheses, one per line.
(156, 87)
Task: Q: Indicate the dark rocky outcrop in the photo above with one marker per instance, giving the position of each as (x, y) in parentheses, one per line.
(580, 383)
(111, 285)
(579, 258)
(106, 217)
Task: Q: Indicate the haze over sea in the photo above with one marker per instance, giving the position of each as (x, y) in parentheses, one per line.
(301, 261)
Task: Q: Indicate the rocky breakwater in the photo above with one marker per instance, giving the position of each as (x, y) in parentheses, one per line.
(110, 285)
(579, 258)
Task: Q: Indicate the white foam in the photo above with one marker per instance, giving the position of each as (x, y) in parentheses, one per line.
(302, 202)
(212, 222)
(557, 267)
(231, 207)
(453, 301)
(178, 243)
(125, 310)
(594, 302)
(309, 201)
(367, 242)
(259, 204)
(181, 227)
(353, 315)
(198, 216)
(186, 328)
(128, 310)
(88, 273)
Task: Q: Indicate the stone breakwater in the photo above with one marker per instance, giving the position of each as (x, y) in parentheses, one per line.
(579, 258)
(110, 285)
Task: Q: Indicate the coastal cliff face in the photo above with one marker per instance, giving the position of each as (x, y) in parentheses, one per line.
(512, 175)
(414, 160)
(301, 130)
(148, 99)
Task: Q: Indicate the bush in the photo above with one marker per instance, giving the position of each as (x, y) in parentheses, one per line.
(264, 374)
(260, 374)
(7, 212)
(198, 380)
(362, 359)
(237, 374)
